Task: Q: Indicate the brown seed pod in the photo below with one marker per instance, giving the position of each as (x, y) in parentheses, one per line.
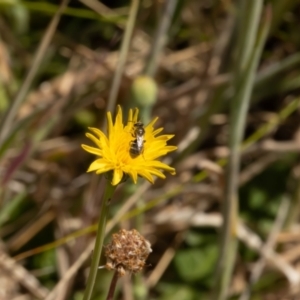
(127, 252)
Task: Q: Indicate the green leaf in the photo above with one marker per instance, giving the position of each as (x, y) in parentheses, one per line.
(197, 263)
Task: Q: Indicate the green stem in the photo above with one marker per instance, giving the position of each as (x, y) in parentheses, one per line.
(123, 54)
(160, 37)
(244, 81)
(109, 190)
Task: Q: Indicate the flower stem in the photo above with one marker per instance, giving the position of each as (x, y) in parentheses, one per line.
(109, 190)
(112, 287)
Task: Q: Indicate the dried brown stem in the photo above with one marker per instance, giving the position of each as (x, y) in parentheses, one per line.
(112, 287)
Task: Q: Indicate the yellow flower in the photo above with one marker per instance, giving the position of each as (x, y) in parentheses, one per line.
(114, 154)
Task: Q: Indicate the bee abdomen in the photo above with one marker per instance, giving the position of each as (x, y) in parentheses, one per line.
(135, 149)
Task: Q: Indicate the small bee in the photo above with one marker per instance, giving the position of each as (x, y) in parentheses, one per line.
(137, 145)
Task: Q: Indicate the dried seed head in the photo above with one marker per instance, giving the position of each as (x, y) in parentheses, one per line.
(127, 252)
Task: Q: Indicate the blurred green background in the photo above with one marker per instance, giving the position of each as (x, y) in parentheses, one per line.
(223, 77)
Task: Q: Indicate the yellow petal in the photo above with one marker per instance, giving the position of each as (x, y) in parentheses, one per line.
(155, 153)
(99, 133)
(135, 115)
(146, 175)
(94, 139)
(160, 165)
(156, 172)
(110, 126)
(165, 137)
(157, 131)
(104, 170)
(117, 177)
(92, 150)
(133, 174)
(119, 120)
(99, 164)
(150, 125)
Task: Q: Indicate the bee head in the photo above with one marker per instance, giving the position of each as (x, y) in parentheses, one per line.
(138, 124)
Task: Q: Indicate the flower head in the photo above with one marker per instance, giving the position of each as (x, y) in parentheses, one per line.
(115, 153)
(127, 252)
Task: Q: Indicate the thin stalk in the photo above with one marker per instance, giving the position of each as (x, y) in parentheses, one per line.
(154, 55)
(8, 119)
(264, 79)
(277, 67)
(294, 209)
(248, 27)
(123, 54)
(112, 287)
(272, 123)
(269, 245)
(215, 99)
(109, 190)
(160, 37)
(240, 104)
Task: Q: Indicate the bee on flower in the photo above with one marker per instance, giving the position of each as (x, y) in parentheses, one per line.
(137, 145)
(119, 152)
